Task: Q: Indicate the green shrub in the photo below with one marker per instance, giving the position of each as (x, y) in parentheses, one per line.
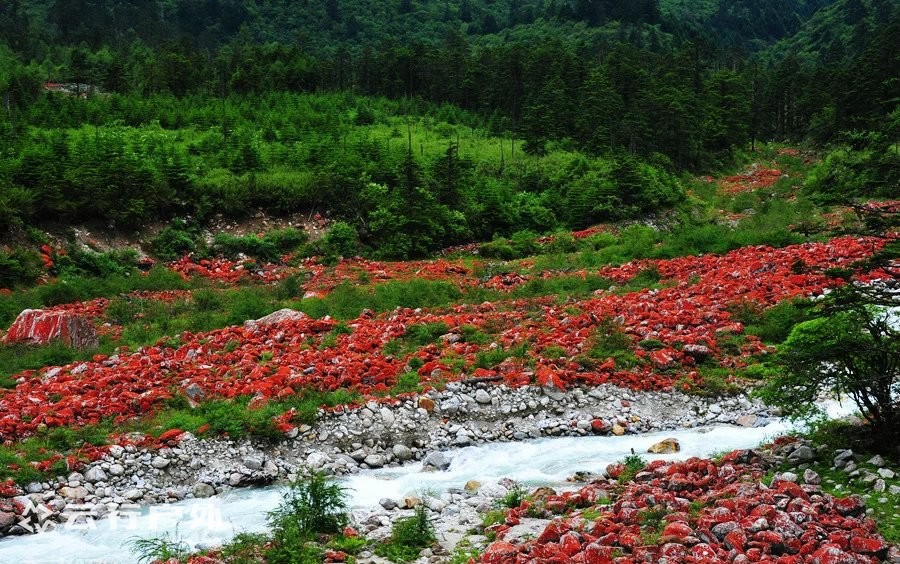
(407, 382)
(313, 505)
(633, 463)
(416, 336)
(20, 267)
(492, 357)
(474, 335)
(174, 241)
(159, 549)
(514, 497)
(408, 537)
(499, 248)
(81, 262)
(341, 240)
(350, 545)
(610, 341)
(269, 248)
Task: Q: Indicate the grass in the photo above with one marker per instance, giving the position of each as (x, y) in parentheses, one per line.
(80, 288)
(716, 382)
(159, 549)
(415, 337)
(609, 341)
(514, 497)
(652, 520)
(492, 357)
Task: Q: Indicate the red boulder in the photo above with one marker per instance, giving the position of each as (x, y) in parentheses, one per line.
(39, 327)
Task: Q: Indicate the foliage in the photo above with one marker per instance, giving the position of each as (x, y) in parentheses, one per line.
(269, 247)
(851, 347)
(341, 240)
(775, 323)
(313, 505)
(19, 267)
(408, 537)
(634, 463)
(610, 341)
(514, 497)
(175, 240)
(162, 548)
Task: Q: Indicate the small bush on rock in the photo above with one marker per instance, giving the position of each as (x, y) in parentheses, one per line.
(408, 537)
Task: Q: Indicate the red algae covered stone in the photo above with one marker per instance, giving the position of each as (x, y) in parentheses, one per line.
(40, 327)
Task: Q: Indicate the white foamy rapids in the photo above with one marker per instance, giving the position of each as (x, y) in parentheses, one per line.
(203, 523)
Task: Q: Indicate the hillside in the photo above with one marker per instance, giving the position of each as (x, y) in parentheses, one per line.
(352, 278)
(322, 26)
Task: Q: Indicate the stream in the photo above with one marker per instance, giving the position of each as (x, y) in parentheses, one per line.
(210, 522)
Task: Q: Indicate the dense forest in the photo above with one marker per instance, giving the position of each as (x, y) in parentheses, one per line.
(425, 124)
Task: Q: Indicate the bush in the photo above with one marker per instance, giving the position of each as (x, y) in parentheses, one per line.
(408, 537)
(341, 240)
(499, 248)
(633, 463)
(314, 505)
(850, 348)
(159, 549)
(514, 497)
(270, 247)
(175, 241)
(20, 267)
(82, 262)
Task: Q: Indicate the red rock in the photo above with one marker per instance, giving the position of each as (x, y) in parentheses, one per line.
(170, 435)
(703, 550)
(853, 505)
(832, 554)
(500, 553)
(335, 556)
(552, 532)
(769, 538)
(570, 543)
(673, 551)
(736, 540)
(677, 530)
(600, 426)
(867, 545)
(39, 327)
(597, 554)
(615, 470)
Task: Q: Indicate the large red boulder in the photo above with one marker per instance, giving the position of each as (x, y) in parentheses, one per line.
(500, 553)
(40, 327)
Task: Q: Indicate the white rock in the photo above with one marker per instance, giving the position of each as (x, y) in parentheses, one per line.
(876, 460)
(160, 462)
(374, 461)
(95, 474)
(316, 460)
(202, 489)
(133, 495)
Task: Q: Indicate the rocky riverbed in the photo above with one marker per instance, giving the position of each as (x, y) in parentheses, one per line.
(375, 435)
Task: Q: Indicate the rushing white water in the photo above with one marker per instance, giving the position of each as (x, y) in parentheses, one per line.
(210, 522)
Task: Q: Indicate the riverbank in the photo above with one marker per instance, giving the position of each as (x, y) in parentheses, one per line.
(372, 436)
